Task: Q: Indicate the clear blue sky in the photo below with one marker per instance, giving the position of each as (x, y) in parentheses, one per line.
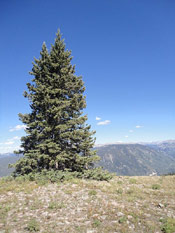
(125, 51)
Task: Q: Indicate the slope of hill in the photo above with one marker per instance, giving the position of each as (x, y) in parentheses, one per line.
(135, 159)
(124, 204)
(5, 160)
(167, 147)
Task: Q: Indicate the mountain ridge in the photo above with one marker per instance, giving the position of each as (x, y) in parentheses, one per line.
(170, 141)
(138, 159)
(124, 158)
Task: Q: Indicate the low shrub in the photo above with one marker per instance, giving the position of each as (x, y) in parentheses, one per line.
(156, 186)
(53, 176)
(92, 193)
(132, 181)
(119, 191)
(32, 226)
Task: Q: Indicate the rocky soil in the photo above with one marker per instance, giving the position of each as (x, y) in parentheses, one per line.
(124, 204)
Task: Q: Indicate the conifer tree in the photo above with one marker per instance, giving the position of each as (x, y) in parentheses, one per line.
(57, 136)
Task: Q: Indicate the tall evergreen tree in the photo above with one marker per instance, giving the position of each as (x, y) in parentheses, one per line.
(57, 136)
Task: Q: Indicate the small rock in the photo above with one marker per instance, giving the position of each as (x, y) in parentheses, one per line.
(95, 215)
(90, 231)
(160, 205)
(169, 215)
(130, 217)
(120, 214)
(103, 217)
(114, 203)
(114, 221)
(66, 222)
(147, 215)
(136, 204)
(88, 222)
(131, 226)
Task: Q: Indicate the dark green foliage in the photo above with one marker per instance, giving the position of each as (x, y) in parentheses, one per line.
(57, 136)
(97, 174)
(52, 176)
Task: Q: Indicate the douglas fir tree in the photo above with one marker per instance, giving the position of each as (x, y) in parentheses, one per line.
(57, 136)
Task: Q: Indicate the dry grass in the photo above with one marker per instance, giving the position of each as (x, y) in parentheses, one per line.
(125, 204)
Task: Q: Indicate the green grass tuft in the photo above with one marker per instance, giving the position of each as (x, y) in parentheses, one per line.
(156, 186)
(32, 226)
(168, 225)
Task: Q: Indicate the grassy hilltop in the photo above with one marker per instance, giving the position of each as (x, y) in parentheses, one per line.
(124, 204)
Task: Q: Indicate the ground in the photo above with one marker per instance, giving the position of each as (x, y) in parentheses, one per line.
(124, 204)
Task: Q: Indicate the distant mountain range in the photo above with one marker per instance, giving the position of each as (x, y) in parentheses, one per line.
(138, 159)
(124, 159)
(168, 147)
